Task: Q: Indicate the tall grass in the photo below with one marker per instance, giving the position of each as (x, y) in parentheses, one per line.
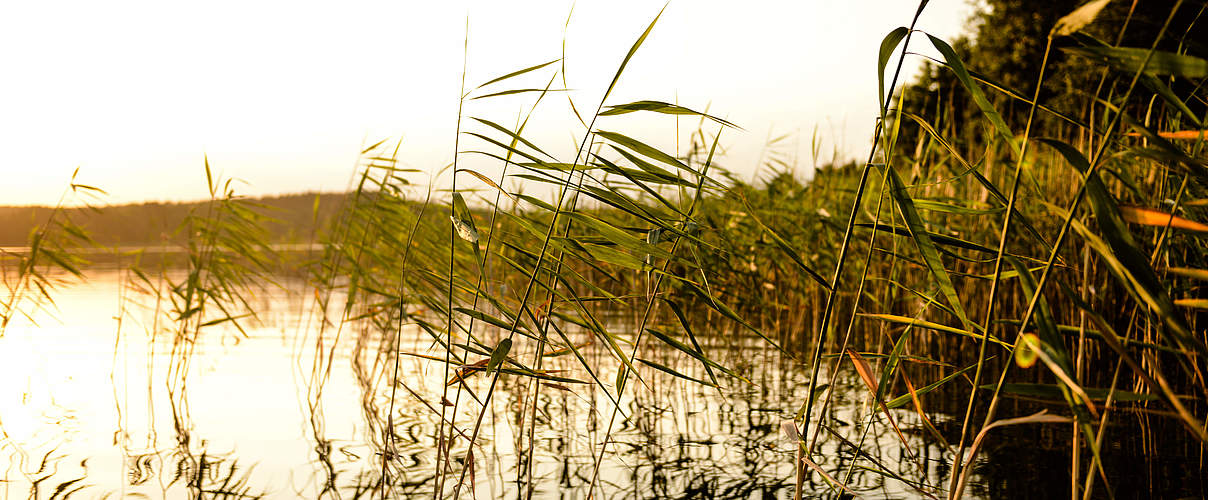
(1053, 258)
(50, 257)
(1034, 222)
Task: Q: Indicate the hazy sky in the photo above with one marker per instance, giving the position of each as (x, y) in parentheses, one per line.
(284, 94)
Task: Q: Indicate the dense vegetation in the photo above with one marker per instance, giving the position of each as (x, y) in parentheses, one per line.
(294, 218)
(1023, 230)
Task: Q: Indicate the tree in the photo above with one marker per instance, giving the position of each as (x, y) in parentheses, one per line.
(1007, 46)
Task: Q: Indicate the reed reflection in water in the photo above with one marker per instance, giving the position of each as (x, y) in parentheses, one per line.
(98, 402)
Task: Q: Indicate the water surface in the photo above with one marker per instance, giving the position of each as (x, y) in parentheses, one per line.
(95, 404)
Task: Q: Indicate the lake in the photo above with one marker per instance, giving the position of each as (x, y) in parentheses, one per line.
(99, 402)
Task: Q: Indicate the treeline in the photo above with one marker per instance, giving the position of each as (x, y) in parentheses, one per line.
(294, 218)
(1005, 50)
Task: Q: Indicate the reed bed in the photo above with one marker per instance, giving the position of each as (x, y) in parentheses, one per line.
(997, 263)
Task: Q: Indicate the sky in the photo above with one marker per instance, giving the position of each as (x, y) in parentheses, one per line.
(284, 95)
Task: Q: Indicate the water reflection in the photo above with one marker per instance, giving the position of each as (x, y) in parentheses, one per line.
(106, 400)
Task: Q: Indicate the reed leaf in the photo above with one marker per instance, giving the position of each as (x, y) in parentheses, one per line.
(1079, 18)
(865, 372)
(1129, 59)
(888, 44)
(661, 107)
(668, 370)
(518, 73)
(1151, 217)
(905, 399)
(926, 246)
(962, 75)
(499, 354)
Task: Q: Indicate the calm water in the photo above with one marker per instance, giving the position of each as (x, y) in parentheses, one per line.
(90, 409)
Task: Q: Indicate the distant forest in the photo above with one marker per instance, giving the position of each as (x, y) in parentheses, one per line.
(295, 218)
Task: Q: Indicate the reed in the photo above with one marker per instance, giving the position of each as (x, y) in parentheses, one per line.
(1003, 241)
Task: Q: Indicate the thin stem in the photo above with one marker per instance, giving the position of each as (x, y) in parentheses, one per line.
(831, 293)
(998, 261)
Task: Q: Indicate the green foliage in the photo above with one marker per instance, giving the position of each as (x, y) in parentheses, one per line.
(53, 253)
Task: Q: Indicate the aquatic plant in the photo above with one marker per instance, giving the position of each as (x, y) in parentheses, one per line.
(1002, 241)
